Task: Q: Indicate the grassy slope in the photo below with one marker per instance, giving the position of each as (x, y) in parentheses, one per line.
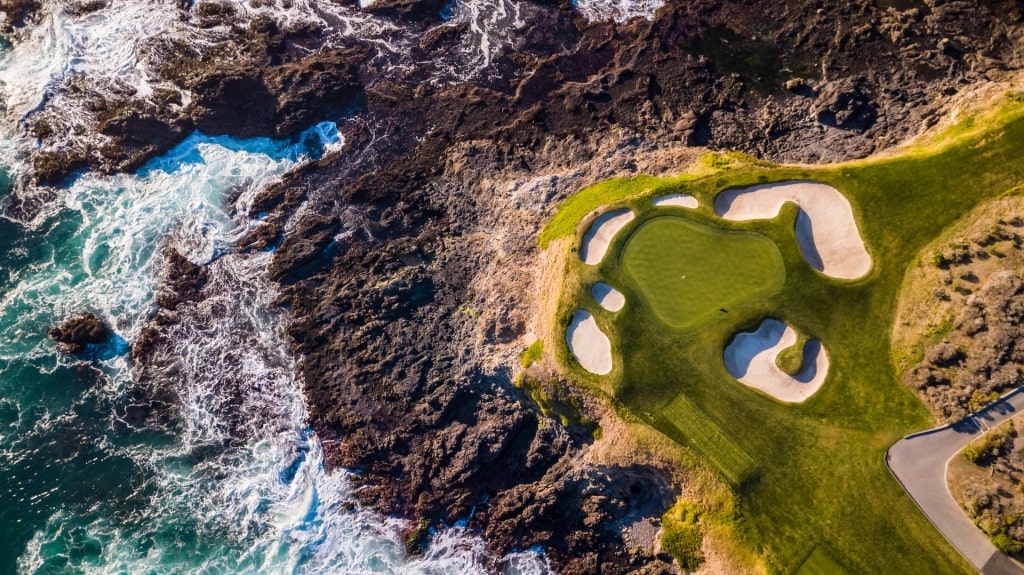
(818, 478)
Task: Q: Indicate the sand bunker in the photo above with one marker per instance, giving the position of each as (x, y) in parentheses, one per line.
(750, 358)
(608, 297)
(589, 344)
(826, 230)
(599, 236)
(681, 200)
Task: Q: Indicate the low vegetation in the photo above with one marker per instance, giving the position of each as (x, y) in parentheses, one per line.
(557, 401)
(965, 305)
(791, 359)
(989, 484)
(683, 535)
(533, 354)
(812, 487)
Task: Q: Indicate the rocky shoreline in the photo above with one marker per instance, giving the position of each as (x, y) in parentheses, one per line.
(408, 260)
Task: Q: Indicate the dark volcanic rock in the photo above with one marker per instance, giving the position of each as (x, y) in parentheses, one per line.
(80, 331)
(183, 281)
(581, 514)
(408, 9)
(17, 13)
(82, 7)
(235, 103)
(845, 105)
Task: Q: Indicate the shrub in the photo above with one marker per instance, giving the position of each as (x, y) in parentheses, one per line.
(1005, 543)
(533, 354)
(981, 451)
(683, 535)
(940, 260)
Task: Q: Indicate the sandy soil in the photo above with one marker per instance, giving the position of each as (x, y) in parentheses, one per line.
(608, 297)
(599, 236)
(681, 200)
(750, 358)
(589, 344)
(826, 230)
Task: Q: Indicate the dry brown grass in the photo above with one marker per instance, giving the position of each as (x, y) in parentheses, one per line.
(924, 315)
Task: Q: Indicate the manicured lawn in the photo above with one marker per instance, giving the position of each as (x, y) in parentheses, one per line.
(820, 563)
(689, 272)
(809, 477)
(693, 428)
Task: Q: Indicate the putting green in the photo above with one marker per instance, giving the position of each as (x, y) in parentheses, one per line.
(689, 273)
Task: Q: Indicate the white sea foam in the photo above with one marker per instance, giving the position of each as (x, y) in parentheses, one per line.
(617, 10)
(263, 501)
(112, 46)
(492, 29)
(259, 500)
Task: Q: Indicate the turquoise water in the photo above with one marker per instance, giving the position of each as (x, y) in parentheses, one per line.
(81, 485)
(230, 478)
(233, 482)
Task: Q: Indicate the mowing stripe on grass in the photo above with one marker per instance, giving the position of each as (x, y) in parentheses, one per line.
(682, 421)
(820, 562)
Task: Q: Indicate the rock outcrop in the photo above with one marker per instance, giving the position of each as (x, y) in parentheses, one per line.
(74, 335)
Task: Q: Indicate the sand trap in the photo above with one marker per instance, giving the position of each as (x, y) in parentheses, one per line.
(750, 358)
(608, 297)
(825, 228)
(681, 200)
(599, 236)
(589, 344)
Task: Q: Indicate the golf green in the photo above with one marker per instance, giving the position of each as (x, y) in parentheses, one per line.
(690, 273)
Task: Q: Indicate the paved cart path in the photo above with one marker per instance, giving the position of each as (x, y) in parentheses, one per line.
(919, 463)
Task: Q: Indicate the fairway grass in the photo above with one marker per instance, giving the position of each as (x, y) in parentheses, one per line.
(813, 490)
(689, 273)
(820, 563)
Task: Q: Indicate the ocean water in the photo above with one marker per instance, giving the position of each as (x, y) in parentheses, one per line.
(86, 490)
(236, 483)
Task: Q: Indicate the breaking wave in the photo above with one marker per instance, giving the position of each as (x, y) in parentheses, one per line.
(619, 11)
(238, 483)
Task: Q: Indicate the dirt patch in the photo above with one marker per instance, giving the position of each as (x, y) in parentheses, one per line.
(961, 313)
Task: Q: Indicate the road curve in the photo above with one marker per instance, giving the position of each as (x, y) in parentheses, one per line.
(919, 463)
